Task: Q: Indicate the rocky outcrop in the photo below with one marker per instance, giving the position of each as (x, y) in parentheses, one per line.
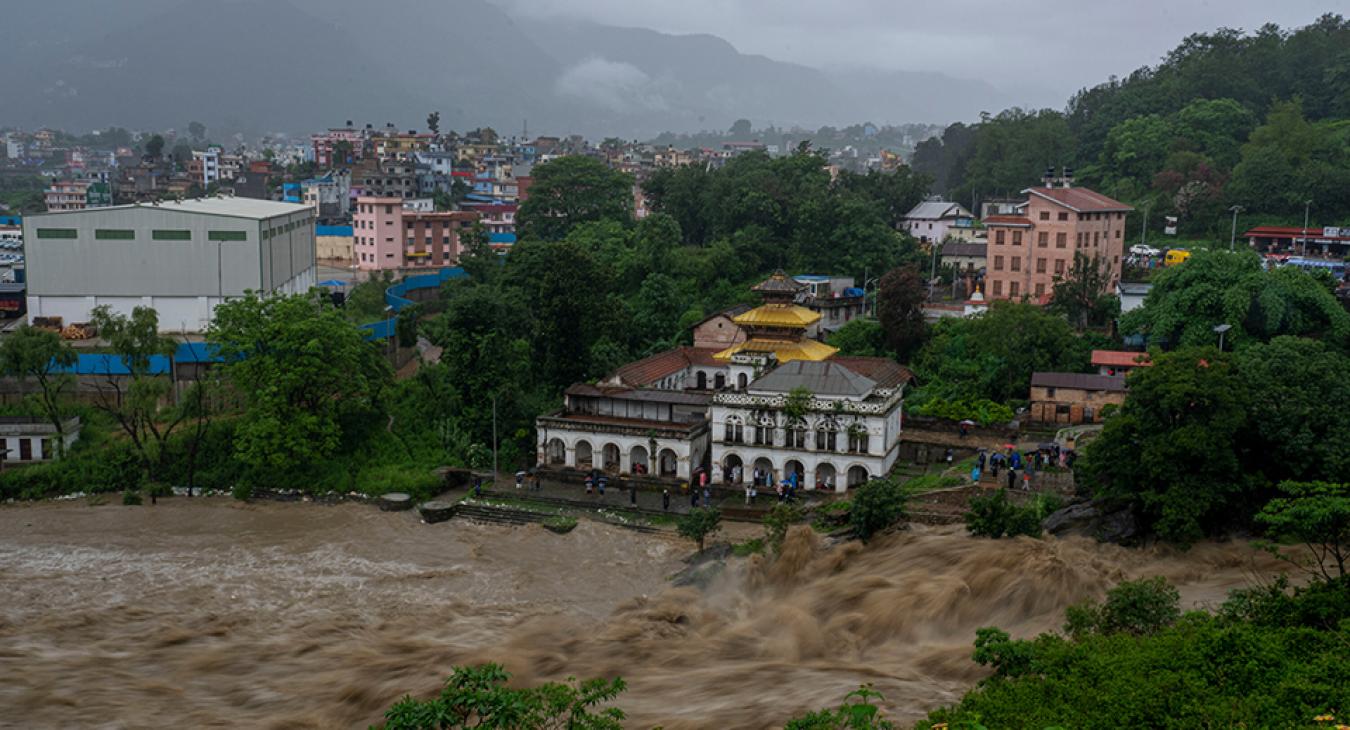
(1095, 519)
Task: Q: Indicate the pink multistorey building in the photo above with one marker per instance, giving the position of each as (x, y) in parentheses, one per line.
(1029, 252)
(385, 235)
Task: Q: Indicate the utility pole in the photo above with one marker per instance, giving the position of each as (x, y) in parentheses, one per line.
(494, 439)
(1143, 231)
(932, 273)
(1232, 237)
(1307, 206)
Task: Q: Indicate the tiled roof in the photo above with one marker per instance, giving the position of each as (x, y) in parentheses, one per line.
(779, 282)
(1080, 199)
(1120, 358)
(651, 369)
(885, 372)
(960, 248)
(1079, 381)
(1006, 220)
(821, 378)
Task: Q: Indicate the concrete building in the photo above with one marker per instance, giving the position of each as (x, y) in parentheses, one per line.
(1028, 253)
(1073, 398)
(208, 162)
(182, 258)
(1132, 294)
(965, 258)
(626, 431)
(26, 439)
(834, 298)
(334, 243)
(933, 220)
(850, 434)
(389, 236)
(64, 195)
(720, 331)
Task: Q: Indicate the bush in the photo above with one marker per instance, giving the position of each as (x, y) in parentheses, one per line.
(131, 498)
(699, 524)
(981, 410)
(876, 506)
(995, 516)
(1135, 607)
(1141, 664)
(858, 712)
(777, 522)
(561, 524)
(478, 697)
(753, 546)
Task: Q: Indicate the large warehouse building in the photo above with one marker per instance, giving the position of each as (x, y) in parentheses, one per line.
(182, 258)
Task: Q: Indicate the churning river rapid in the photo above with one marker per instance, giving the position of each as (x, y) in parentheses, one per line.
(214, 613)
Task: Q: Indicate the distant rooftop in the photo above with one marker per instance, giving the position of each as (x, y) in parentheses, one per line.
(232, 207)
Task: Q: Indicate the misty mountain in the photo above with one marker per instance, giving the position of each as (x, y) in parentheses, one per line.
(297, 65)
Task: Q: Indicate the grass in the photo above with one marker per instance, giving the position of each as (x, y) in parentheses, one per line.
(561, 524)
(750, 547)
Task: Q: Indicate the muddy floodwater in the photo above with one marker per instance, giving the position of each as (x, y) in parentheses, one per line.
(213, 613)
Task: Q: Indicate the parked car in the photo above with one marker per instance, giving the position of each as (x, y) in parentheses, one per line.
(1140, 249)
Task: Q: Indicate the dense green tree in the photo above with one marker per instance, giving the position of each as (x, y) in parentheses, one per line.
(1083, 295)
(39, 355)
(572, 190)
(486, 354)
(992, 355)
(861, 336)
(1177, 450)
(900, 298)
(563, 288)
(197, 131)
(1219, 287)
(154, 147)
(1315, 515)
(309, 381)
(1299, 390)
(434, 122)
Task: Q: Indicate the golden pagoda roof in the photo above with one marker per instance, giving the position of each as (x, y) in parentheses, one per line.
(778, 315)
(784, 350)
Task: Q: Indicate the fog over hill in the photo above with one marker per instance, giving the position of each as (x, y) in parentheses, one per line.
(296, 65)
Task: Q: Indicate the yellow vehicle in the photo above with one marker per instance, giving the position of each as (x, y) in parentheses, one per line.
(1176, 256)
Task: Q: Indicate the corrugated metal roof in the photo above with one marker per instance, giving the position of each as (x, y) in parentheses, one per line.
(960, 248)
(821, 378)
(937, 209)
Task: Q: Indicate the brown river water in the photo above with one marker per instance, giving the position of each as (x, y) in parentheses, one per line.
(212, 613)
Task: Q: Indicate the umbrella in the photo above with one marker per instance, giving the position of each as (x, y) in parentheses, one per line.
(333, 282)
(1009, 446)
(967, 422)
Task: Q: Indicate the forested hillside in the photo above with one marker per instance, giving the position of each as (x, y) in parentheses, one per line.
(1260, 120)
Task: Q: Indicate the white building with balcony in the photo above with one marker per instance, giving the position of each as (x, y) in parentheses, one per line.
(849, 435)
(629, 431)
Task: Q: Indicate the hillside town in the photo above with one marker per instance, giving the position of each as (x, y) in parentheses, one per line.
(806, 403)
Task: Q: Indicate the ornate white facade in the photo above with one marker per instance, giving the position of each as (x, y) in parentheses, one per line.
(844, 440)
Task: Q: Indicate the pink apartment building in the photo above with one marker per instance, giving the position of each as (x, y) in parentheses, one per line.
(388, 236)
(1028, 253)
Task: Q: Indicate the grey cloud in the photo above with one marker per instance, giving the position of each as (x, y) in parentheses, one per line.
(1050, 44)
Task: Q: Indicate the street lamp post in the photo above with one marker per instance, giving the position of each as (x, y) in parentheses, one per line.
(1221, 329)
(1232, 237)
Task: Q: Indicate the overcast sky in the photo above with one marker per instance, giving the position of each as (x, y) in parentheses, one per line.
(1055, 45)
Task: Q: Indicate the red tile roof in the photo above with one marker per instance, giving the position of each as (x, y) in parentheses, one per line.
(1079, 199)
(883, 371)
(1120, 358)
(651, 369)
(1289, 232)
(1006, 220)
